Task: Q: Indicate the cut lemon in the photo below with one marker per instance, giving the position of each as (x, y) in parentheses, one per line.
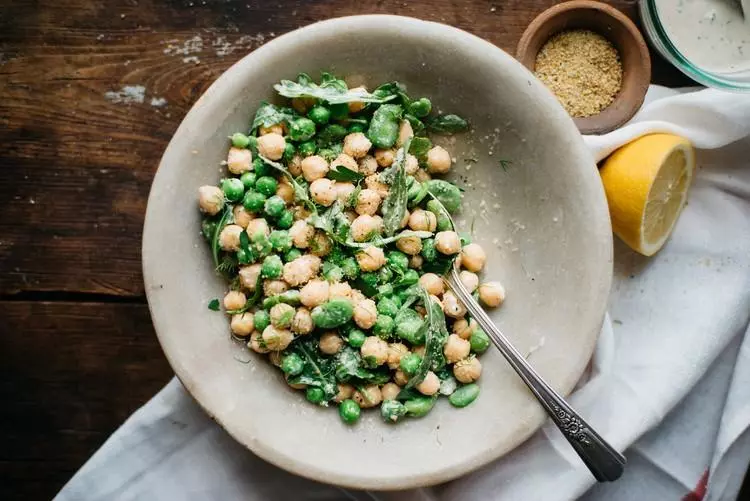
(646, 182)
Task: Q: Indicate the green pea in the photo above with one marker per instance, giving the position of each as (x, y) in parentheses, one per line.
(266, 185)
(289, 151)
(252, 144)
(384, 126)
(419, 406)
(292, 254)
(392, 410)
(410, 363)
(448, 194)
(291, 297)
(383, 326)
(480, 341)
(307, 148)
(292, 364)
(356, 338)
(370, 279)
(280, 240)
(274, 206)
(240, 140)
(385, 275)
(410, 277)
(333, 313)
(397, 259)
(385, 290)
(339, 111)
(319, 114)
(271, 267)
(332, 133)
(248, 179)
(349, 411)
(244, 257)
(350, 268)
(332, 272)
(253, 201)
(465, 395)
(261, 320)
(301, 129)
(421, 107)
(261, 168)
(409, 326)
(357, 127)
(233, 189)
(429, 252)
(443, 219)
(387, 306)
(285, 220)
(465, 239)
(315, 395)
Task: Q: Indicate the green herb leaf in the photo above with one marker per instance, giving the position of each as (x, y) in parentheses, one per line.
(300, 192)
(419, 147)
(393, 90)
(344, 174)
(328, 91)
(318, 371)
(349, 367)
(257, 293)
(504, 164)
(215, 247)
(394, 204)
(269, 114)
(446, 124)
(213, 305)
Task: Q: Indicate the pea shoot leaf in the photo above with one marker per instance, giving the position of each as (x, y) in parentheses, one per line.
(226, 217)
(257, 293)
(419, 147)
(344, 174)
(393, 90)
(300, 192)
(446, 124)
(394, 204)
(318, 371)
(213, 305)
(349, 367)
(269, 114)
(330, 91)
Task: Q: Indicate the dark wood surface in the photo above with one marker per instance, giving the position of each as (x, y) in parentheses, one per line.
(77, 349)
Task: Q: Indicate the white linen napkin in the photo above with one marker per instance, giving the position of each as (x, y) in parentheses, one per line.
(677, 317)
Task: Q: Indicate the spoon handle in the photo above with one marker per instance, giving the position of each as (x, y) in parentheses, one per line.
(604, 462)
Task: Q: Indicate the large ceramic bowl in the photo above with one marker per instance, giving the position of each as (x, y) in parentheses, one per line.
(541, 214)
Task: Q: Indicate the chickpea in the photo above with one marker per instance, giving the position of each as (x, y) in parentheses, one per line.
(416, 262)
(356, 145)
(395, 352)
(452, 306)
(302, 323)
(301, 270)
(374, 350)
(234, 300)
(357, 296)
(301, 212)
(315, 292)
(469, 279)
(303, 104)
(340, 290)
(277, 339)
(345, 392)
(422, 176)
(368, 165)
(369, 396)
(432, 283)
(411, 166)
(350, 216)
(249, 276)
(456, 348)
(282, 315)
(275, 358)
(357, 106)
(422, 220)
(473, 257)
(429, 385)
(256, 343)
(447, 242)
(256, 226)
(385, 158)
(463, 328)
(371, 258)
(229, 238)
(390, 391)
(330, 343)
(242, 216)
(242, 324)
(365, 314)
(271, 129)
(271, 146)
(492, 294)
(314, 167)
(373, 182)
(405, 219)
(321, 245)
(273, 287)
(405, 132)
(343, 191)
(467, 370)
(210, 199)
(285, 190)
(296, 386)
(400, 378)
(239, 160)
(409, 245)
(323, 192)
(301, 234)
(363, 227)
(295, 166)
(368, 202)
(438, 160)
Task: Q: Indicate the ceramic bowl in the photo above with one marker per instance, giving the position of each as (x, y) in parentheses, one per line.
(541, 214)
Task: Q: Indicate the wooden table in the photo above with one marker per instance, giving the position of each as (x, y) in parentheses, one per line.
(90, 94)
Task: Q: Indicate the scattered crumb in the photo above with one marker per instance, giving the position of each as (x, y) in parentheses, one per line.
(127, 95)
(158, 101)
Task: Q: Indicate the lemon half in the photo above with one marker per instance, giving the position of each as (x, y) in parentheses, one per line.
(646, 182)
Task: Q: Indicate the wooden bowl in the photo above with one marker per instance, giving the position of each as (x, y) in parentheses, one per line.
(615, 27)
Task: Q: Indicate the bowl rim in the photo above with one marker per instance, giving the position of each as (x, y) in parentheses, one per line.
(594, 124)
(601, 223)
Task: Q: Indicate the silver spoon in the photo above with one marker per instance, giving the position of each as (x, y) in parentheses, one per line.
(604, 462)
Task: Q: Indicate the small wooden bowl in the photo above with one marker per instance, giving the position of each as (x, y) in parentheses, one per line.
(615, 27)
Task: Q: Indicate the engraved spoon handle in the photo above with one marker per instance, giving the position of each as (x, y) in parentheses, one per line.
(604, 462)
